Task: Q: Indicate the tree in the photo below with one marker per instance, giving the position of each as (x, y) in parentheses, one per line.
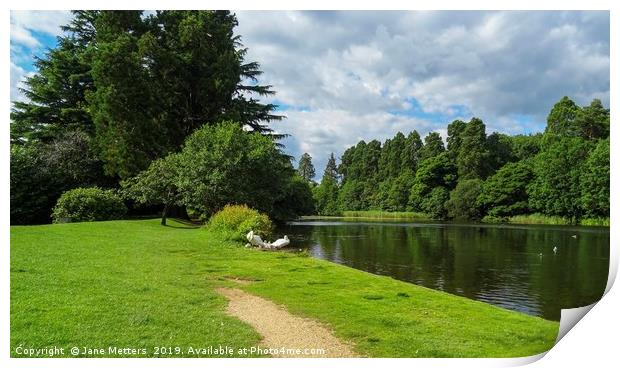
(504, 194)
(463, 200)
(434, 204)
(473, 154)
(331, 169)
(305, 168)
(220, 165)
(410, 156)
(123, 104)
(223, 164)
(433, 146)
(56, 100)
(592, 121)
(326, 196)
(157, 185)
(434, 172)
(455, 129)
(561, 120)
(499, 148)
(595, 181)
(555, 190)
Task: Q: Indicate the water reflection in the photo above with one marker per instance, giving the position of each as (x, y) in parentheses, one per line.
(510, 266)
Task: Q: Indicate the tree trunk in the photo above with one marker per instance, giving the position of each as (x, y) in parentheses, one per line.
(164, 214)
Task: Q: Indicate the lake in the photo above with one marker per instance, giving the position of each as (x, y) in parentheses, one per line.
(511, 266)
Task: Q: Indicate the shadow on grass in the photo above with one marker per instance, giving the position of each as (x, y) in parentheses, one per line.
(183, 224)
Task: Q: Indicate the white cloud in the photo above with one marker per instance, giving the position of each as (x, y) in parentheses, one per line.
(24, 22)
(351, 69)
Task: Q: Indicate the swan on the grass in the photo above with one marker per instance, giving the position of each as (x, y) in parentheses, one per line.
(255, 240)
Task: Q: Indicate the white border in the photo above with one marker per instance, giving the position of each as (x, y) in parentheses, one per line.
(592, 341)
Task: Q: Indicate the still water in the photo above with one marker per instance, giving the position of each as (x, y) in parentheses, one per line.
(513, 267)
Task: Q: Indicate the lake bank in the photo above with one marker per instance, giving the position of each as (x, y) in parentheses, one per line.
(83, 284)
(532, 219)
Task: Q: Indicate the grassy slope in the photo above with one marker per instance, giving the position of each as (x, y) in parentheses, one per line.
(138, 284)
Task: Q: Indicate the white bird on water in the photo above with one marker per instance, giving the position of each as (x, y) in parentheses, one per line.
(555, 249)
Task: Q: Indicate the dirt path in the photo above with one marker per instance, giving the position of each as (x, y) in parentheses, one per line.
(280, 329)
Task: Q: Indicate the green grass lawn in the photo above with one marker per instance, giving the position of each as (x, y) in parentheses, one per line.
(138, 284)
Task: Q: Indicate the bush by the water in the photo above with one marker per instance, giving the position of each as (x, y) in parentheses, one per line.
(238, 220)
(88, 204)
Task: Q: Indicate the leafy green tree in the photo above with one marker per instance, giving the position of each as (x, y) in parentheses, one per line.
(326, 196)
(433, 146)
(595, 181)
(525, 146)
(306, 168)
(473, 153)
(592, 121)
(504, 194)
(463, 200)
(224, 164)
(351, 196)
(434, 172)
(561, 120)
(455, 129)
(434, 204)
(157, 185)
(410, 156)
(34, 187)
(556, 189)
(499, 148)
(399, 191)
(297, 200)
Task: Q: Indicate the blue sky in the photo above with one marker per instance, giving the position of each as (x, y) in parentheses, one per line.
(345, 76)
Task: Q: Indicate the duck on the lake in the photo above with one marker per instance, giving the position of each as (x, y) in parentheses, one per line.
(574, 236)
(555, 249)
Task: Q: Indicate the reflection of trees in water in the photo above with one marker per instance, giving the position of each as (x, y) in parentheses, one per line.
(494, 264)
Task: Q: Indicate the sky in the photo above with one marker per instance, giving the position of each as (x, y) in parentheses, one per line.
(341, 77)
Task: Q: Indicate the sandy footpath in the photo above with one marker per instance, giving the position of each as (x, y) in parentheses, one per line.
(280, 329)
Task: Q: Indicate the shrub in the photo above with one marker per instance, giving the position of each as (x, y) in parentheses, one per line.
(238, 220)
(88, 204)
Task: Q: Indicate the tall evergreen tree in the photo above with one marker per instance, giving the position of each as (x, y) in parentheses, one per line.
(455, 129)
(306, 168)
(331, 169)
(433, 146)
(473, 154)
(410, 155)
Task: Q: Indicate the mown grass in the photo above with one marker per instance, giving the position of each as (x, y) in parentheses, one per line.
(139, 284)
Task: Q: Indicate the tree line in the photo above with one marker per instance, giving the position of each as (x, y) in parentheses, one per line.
(122, 90)
(562, 172)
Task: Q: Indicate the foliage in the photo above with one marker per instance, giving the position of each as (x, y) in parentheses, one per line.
(463, 200)
(130, 88)
(34, 187)
(40, 172)
(326, 197)
(434, 204)
(473, 153)
(505, 193)
(555, 190)
(306, 168)
(595, 181)
(88, 204)
(296, 200)
(238, 220)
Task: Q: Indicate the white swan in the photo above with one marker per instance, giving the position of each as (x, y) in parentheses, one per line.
(256, 241)
(281, 243)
